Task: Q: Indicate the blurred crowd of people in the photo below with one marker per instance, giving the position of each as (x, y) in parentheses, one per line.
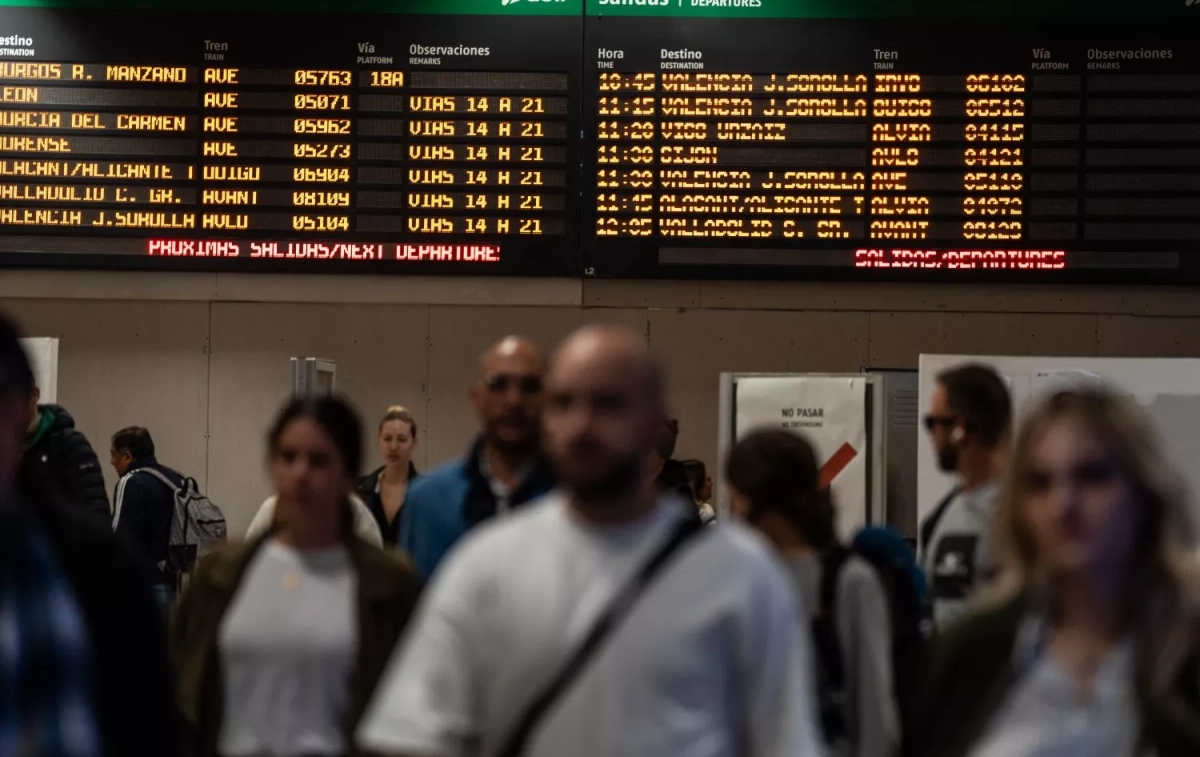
(565, 588)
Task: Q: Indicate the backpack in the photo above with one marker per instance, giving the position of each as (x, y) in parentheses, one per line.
(894, 562)
(197, 525)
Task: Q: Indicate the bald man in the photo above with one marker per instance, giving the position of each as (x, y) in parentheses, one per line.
(710, 661)
(504, 469)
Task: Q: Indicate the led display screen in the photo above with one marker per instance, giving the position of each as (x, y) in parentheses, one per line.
(1033, 140)
(755, 138)
(437, 137)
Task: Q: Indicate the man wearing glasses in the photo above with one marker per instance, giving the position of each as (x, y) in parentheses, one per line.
(968, 424)
(504, 469)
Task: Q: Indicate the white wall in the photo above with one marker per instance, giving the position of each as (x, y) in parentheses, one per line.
(201, 359)
(381, 360)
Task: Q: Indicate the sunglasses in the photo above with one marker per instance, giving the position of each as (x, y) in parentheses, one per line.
(500, 382)
(933, 421)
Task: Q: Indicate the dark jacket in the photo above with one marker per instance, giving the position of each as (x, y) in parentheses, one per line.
(124, 624)
(672, 480)
(142, 510)
(445, 504)
(59, 453)
(970, 671)
(368, 491)
(387, 590)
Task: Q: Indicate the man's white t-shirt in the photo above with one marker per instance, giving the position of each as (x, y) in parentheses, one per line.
(712, 661)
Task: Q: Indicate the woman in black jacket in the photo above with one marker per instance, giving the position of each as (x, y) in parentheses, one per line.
(384, 490)
(1089, 642)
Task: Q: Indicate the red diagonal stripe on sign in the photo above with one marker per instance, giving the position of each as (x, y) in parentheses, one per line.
(837, 463)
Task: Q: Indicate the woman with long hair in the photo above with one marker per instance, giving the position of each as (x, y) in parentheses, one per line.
(384, 490)
(277, 644)
(1088, 642)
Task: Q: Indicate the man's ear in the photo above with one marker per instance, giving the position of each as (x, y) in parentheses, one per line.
(36, 397)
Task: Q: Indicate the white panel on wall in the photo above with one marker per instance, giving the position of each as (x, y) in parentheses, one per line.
(43, 355)
(130, 364)
(831, 413)
(381, 358)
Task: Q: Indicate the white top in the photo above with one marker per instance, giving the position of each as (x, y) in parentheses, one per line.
(366, 528)
(710, 662)
(1045, 714)
(288, 645)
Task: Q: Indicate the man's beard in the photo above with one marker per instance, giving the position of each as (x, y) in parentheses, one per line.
(522, 445)
(948, 458)
(613, 486)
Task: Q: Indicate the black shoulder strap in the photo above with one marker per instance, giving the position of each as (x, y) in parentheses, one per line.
(930, 524)
(831, 568)
(608, 621)
(825, 628)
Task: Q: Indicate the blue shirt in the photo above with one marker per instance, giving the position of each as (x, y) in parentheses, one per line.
(444, 505)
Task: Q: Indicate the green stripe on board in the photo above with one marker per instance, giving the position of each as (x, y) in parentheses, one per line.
(896, 8)
(445, 7)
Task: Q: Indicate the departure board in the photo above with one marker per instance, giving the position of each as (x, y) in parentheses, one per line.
(1029, 140)
(734, 139)
(443, 141)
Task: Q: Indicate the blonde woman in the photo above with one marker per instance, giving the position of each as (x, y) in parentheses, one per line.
(384, 490)
(1088, 642)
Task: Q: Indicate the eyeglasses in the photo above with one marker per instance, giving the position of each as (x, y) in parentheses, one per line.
(500, 382)
(933, 421)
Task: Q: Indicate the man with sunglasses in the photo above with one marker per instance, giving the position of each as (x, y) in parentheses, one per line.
(968, 424)
(504, 469)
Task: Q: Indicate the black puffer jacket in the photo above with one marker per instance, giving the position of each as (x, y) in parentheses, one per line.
(59, 454)
(672, 481)
(368, 492)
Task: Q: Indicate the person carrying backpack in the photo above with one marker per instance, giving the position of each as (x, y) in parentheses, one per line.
(160, 511)
(775, 486)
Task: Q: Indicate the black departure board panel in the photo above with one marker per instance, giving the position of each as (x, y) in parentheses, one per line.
(1033, 140)
(265, 141)
(867, 148)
